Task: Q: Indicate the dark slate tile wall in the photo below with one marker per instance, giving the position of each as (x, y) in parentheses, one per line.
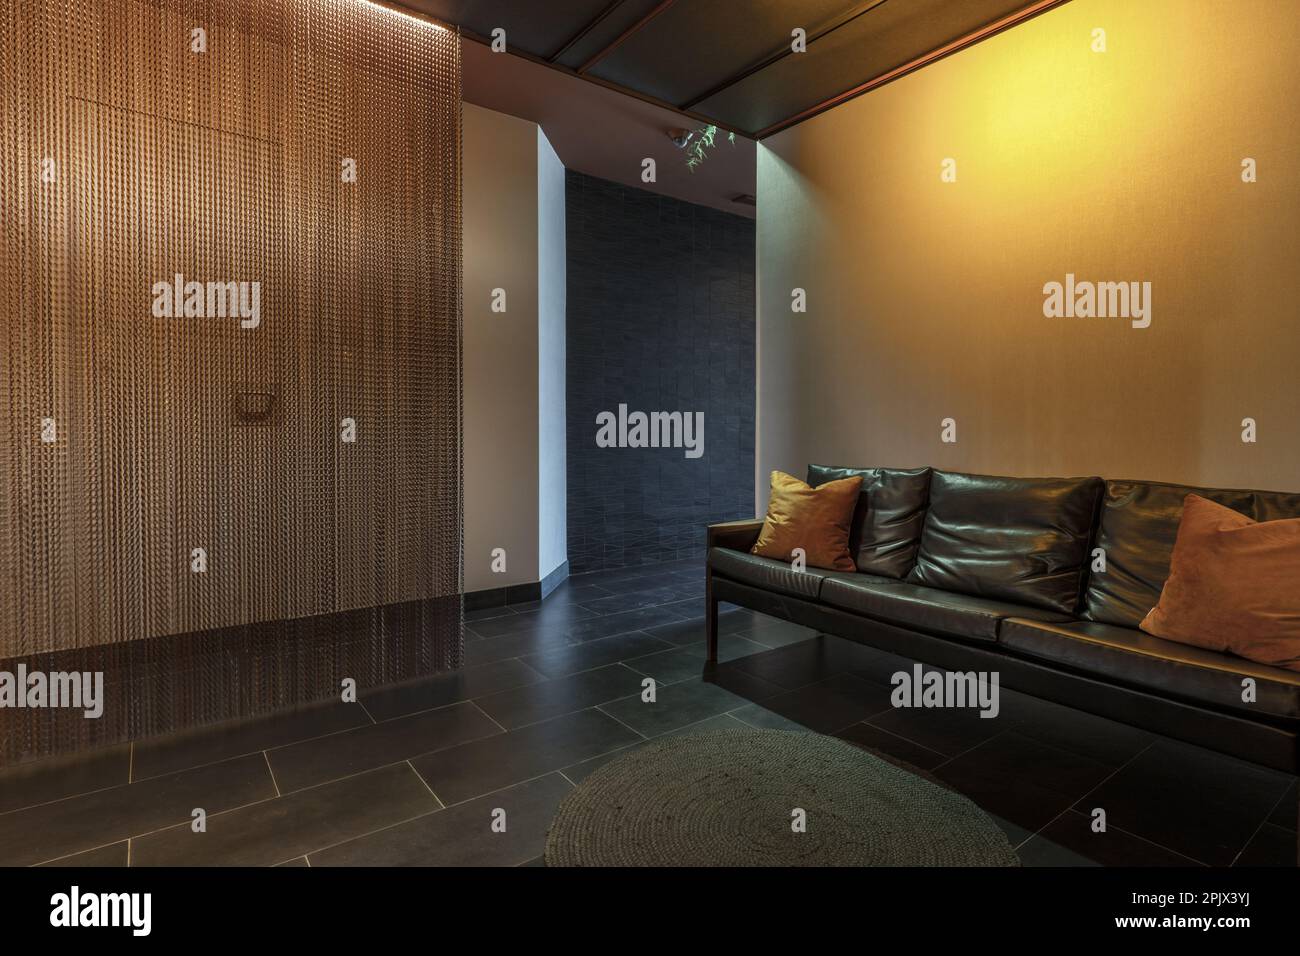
(660, 317)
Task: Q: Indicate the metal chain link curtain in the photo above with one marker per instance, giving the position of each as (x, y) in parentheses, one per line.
(237, 503)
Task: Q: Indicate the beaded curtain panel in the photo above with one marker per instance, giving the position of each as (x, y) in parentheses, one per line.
(231, 322)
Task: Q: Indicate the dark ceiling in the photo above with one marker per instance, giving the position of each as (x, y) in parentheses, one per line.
(730, 61)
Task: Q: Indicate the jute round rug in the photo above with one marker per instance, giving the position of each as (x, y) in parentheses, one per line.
(733, 798)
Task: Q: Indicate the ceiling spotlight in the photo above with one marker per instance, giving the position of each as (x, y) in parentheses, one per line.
(681, 137)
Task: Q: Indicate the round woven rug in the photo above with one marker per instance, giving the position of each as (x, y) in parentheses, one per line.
(730, 798)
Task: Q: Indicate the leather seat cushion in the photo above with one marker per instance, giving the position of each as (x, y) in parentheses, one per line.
(1126, 655)
(1021, 540)
(886, 529)
(767, 573)
(922, 608)
(1139, 524)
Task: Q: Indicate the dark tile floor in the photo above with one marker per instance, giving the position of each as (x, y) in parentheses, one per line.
(417, 774)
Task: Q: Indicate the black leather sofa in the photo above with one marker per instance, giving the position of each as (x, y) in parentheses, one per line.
(972, 572)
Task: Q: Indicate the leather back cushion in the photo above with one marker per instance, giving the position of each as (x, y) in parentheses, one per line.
(887, 523)
(1139, 524)
(1023, 540)
(1234, 585)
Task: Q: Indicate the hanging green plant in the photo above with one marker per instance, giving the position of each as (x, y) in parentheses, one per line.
(701, 143)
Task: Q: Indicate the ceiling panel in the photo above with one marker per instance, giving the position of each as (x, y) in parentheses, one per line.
(619, 15)
(696, 44)
(728, 61)
(886, 37)
(539, 27)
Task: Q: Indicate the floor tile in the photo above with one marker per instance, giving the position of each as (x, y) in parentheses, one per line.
(92, 820)
(54, 778)
(798, 665)
(685, 608)
(473, 769)
(883, 742)
(548, 671)
(760, 718)
(463, 835)
(277, 830)
(443, 689)
(773, 632)
(1024, 804)
(563, 695)
(733, 620)
(1019, 760)
(562, 661)
(616, 579)
(1071, 841)
(550, 617)
(298, 861)
(1107, 741)
(112, 856)
(1287, 813)
(948, 730)
(631, 600)
(1201, 804)
(1271, 846)
(683, 663)
(487, 613)
(566, 593)
(328, 758)
(827, 706)
(580, 771)
(236, 738)
(689, 631)
(489, 650)
(621, 623)
(675, 705)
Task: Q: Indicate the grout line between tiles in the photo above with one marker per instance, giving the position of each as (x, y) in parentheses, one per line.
(441, 805)
(476, 706)
(1268, 816)
(628, 726)
(271, 771)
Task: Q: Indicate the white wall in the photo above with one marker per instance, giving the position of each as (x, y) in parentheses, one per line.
(514, 361)
(552, 487)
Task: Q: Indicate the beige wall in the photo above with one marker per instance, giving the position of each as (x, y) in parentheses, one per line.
(514, 361)
(925, 298)
(500, 210)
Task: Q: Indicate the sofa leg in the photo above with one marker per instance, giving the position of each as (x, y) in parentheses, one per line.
(710, 621)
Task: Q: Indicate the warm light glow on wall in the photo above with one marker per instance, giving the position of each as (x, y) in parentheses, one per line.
(1115, 163)
(390, 8)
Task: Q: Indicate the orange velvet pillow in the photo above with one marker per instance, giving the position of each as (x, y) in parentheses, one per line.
(815, 519)
(1234, 585)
